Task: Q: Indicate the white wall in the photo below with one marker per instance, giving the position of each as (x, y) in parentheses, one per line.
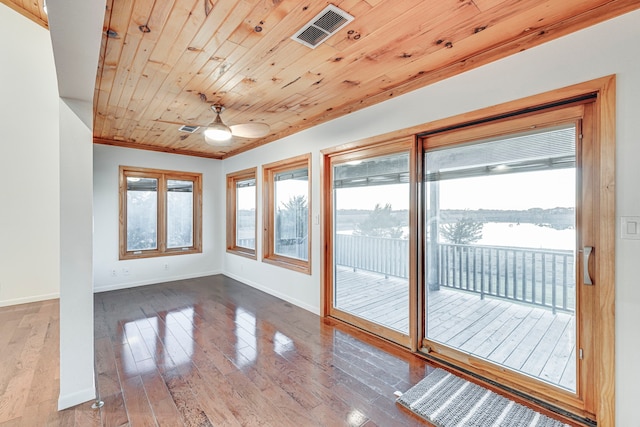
(76, 273)
(29, 209)
(130, 273)
(609, 48)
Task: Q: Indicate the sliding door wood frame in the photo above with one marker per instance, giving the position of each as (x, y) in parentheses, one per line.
(603, 272)
(360, 152)
(572, 114)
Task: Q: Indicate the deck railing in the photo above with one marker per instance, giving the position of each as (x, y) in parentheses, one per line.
(538, 277)
(377, 254)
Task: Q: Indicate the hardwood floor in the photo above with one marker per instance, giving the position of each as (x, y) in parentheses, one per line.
(205, 352)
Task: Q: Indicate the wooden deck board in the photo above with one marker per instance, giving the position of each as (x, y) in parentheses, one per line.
(525, 338)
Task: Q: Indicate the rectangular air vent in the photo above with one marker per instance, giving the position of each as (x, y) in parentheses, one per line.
(322, 26)
(188, 129)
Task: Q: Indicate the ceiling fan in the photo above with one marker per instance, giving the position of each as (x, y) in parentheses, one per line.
(217, 133)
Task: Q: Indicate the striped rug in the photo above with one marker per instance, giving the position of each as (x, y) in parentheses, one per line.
(446, 400)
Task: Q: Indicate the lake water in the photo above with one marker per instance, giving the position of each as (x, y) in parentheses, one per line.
(526, 235)
(521, 235)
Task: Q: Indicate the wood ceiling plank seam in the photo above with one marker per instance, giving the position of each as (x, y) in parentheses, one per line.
(154, 15)
(413, 65)
(222, 50)
(133, 81)
(207, 59)
(282, 52)
(139, 132)
(219, 46)
(321, 75)
(99, 92)
(270, 73)
(129, 56)
(212, 67)
(485, 5)
(262, 14)
(252, 70)
(119, 22)
(261, 49)
(270, 138)
(157, 19)
(172, 85)
(195, 57)
(156, 68)
(392, 17)
(528, 41)
(509, 26)
(215, 22)
(204, 64)
(392, 47)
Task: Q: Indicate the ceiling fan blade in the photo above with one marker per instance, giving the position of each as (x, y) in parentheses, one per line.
(250, 130)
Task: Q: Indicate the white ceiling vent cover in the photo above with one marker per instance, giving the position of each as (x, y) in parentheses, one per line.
(188, 129)
(322, 26)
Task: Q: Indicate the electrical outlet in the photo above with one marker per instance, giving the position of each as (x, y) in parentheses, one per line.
(166, 266)
(114, 273)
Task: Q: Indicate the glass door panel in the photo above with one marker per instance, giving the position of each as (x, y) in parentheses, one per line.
(500, 252)
(371, 242)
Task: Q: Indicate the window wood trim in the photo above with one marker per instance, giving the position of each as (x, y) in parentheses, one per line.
(162, 176)
(268, 188)
(232, 179)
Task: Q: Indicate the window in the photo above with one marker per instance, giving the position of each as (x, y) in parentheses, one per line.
(241, 213)
(160, 212)
(286, 213)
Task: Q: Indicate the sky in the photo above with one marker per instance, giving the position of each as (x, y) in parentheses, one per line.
(518, 191)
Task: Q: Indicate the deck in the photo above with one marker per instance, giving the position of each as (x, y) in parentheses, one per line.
(511, 334)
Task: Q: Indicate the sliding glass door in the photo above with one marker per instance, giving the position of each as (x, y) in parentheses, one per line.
(501, 250)
(371, 245)
(475, 244)
(508, 219)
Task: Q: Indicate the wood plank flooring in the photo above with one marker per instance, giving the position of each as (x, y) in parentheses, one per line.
(205, 352)
(524, 338)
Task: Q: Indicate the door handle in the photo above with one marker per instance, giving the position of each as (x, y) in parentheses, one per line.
(586, 255)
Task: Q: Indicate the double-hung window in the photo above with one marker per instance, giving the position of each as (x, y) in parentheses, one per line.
(160, 212)
(287, 213)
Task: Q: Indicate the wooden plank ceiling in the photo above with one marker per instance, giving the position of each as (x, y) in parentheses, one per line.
(163, 63)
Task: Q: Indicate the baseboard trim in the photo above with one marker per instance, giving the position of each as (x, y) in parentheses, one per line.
(154, 281)
(26, 300)
(73, 399)
(301, 304)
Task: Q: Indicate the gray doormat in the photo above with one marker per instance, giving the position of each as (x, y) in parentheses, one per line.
(446, 400)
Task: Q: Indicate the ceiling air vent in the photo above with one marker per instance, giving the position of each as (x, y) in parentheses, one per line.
(322, 26)
(188, 129)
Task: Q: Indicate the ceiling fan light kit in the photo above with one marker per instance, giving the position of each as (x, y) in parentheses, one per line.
(217, 131)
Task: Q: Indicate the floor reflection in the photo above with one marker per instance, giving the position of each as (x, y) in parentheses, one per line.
(215, 352)
(168, 338)
(247, 342)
